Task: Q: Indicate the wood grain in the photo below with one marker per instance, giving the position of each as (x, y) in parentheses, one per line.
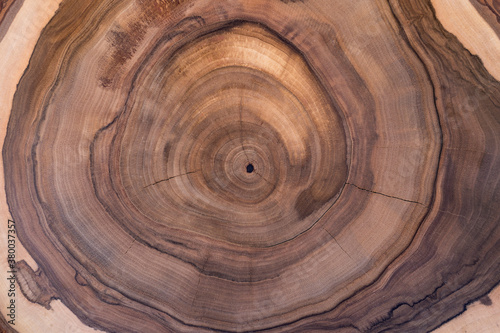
(190, 166)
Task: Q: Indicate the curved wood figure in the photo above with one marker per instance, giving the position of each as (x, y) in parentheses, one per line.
(242, 165)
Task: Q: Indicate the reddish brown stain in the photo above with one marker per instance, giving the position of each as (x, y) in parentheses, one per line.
(152, 10)
(125, 40)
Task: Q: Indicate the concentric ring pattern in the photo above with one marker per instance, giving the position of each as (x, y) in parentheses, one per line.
(235, 97)
(206, 166)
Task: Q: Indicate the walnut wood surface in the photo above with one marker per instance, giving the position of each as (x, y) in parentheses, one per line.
(281, 166)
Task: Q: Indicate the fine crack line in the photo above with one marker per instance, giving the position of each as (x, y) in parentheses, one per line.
(328, 232)
(199, 280)
(241, 129)
(386, 195)
(452, 214)
(130, 245)
(167, 179)
(267, 181)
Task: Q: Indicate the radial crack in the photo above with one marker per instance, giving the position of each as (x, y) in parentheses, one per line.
(167, 179)
(328, 232)
(386, 195)
(265, 179)
(131, 244)
(241, 129)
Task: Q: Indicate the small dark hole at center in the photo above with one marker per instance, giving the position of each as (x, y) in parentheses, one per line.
(250, 168)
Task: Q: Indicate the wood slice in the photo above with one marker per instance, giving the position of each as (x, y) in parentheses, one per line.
(237, 166)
